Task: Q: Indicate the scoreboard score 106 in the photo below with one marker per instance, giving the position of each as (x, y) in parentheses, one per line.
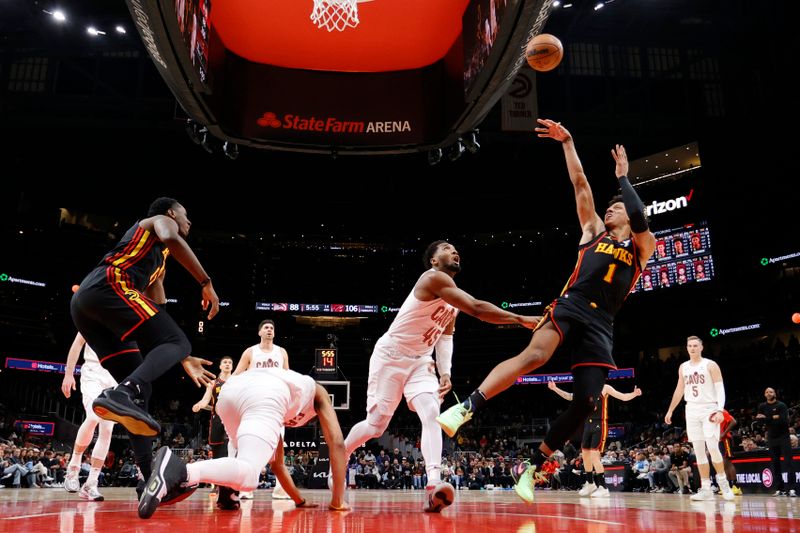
(326, 360)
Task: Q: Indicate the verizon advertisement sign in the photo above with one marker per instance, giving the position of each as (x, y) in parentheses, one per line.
(659, 207)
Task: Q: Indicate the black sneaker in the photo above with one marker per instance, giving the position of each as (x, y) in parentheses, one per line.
(174, 495)
(139, 490)
(178, 494)
(169, 472)
(227, 498)
(117, 406)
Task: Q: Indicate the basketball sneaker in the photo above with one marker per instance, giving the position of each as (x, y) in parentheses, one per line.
(117, 406)
(601, 492)
(454, 418)
(438, 496)
(725, 489)
(91, 494)
(228, 499)
(526, 482)
(704, 494)
(736, 491)
(587, 489)
(178, 494)
(71, 481)
(279, 494)
(169, 473)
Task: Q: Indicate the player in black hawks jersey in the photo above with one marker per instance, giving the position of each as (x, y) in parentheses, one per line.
(612, 252)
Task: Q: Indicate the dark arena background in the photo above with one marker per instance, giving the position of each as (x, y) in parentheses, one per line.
(317, 165)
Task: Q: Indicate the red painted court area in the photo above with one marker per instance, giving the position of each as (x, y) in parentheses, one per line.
(400, 511)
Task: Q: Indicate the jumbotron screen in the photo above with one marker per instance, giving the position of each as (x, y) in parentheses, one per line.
(683, 256)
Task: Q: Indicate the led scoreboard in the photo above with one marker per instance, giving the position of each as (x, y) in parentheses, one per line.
(326, 360)
(315, 308)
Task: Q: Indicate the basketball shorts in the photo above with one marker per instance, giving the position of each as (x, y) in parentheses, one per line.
(254, 403)
(586, 331)
(94, 380)
(593, 436)
(392, 376)
(216, 431)
(698, 425)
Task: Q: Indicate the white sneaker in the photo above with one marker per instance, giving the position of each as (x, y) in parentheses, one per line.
(91, 494)
(438, 496)
(601, 492)
(725, 489)
(792, 493)
(587, 489)
(703, 495)
(279, 494)
(245, 495)
(71, 481)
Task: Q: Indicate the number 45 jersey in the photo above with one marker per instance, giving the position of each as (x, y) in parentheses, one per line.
(418, 325)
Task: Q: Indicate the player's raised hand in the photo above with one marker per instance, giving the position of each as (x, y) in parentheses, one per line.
(621, 159)
(553, 130)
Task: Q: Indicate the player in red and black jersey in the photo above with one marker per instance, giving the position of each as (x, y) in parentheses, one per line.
(611, 254)
(726, 448)
(117, 310)
(217, 438)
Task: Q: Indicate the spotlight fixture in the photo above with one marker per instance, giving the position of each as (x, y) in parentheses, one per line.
(434, 156)
(205, 140)
(231, 150)
(457, 150)
(193, 131)
(471, 142)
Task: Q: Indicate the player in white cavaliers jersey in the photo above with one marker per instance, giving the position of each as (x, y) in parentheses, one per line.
(700, 384)
(401, 363)
(265, 354)
(254, 406)
(94, 379)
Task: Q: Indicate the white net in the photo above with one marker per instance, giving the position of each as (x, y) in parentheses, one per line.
(335, 14)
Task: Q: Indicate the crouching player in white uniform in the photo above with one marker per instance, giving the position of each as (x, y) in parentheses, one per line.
(94, 379)
(700, 383)
(254, 406)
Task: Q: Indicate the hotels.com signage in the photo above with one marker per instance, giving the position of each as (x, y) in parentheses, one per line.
(331, 124)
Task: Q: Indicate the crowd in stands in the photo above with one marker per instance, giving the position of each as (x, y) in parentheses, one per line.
(655, 457)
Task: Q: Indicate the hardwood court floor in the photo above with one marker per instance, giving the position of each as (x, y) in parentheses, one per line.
(384, 511)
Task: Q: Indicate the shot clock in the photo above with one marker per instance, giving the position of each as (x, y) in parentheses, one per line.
(325, 360)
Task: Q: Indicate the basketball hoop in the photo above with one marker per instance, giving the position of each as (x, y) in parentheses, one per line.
(335, 14)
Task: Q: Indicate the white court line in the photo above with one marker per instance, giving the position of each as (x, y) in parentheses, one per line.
(559, 517)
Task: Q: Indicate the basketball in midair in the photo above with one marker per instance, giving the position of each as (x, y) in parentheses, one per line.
(544, 52)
